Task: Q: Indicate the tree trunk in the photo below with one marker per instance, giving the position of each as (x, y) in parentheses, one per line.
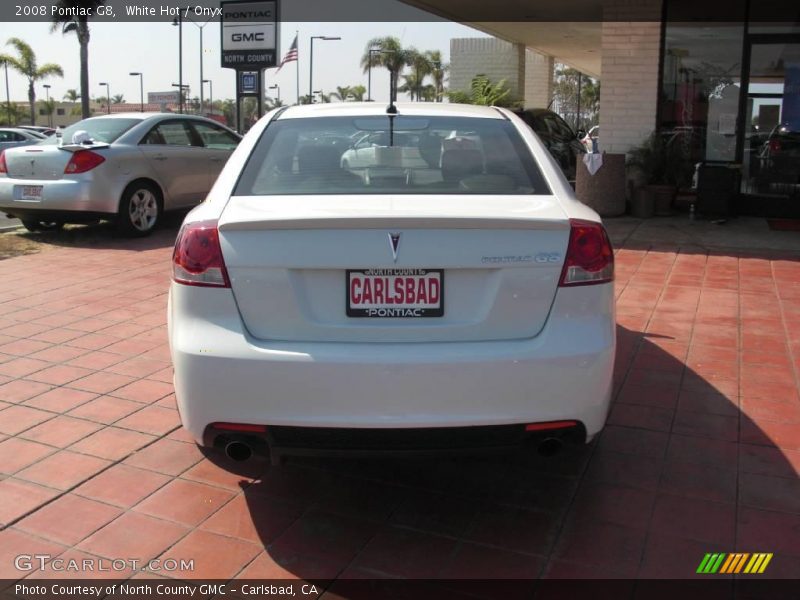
(83, 40)
(32, 101)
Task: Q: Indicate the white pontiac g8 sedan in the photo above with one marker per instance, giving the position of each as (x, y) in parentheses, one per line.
(462, 301)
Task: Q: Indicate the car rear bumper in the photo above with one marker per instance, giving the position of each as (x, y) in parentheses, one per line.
(63, 197)
(222, 374)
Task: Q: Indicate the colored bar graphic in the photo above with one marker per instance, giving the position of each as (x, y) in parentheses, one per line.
(736, 563)
(729, 564)
(717, 563)
(755, 562)
(704, 563)
(767, 558)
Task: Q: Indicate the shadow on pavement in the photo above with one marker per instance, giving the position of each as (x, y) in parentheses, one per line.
(681, 470)
(104, 235)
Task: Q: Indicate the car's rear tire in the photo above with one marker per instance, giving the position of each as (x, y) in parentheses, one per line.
(38, 226)
(139, 209)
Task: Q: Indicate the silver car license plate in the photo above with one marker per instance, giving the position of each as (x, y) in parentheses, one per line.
(31, 193)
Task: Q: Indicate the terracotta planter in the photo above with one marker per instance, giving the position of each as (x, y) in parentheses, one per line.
(643, 203)
(664, 195)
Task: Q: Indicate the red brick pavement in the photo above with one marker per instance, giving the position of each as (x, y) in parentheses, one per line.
(701, 452)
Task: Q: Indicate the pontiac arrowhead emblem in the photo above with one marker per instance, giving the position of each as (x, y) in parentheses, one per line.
(394, 242)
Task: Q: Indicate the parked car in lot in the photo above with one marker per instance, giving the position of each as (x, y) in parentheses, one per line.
(466, 301)
(127, 167)
(780, 160)
(45, 131)
(557, 136)
(12, 137)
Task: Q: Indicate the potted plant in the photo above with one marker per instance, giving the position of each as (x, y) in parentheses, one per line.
(663, 165)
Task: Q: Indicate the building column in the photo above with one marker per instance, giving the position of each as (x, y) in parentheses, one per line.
(495, 58)
(538, 79)
(631, 40)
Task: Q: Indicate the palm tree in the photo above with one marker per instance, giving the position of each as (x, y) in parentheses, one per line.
(428, 93)
(16, 115)
(341, 93)
(48, 107)
(391, 55)
(79, 25)
(72, 95)
(25, 64)
(482, 91)
(118, 99)
(420, 68)
(438, 72)
(411, 85)
(358, 92)
(270, 103)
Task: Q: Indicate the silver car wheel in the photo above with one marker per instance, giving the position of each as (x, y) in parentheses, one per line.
(143, 209)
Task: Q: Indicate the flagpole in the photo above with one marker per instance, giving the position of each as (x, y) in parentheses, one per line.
(297, 64)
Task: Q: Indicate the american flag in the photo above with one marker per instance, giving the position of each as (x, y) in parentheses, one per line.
(290, 55)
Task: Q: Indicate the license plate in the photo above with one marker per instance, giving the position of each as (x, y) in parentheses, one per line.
(29, 192)
(395, 293)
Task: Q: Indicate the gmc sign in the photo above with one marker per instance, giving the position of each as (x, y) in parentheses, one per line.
(249, 34)
(247, 37)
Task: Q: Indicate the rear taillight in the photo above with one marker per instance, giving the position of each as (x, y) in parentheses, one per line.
(590, 258)
(197, 258)
(3, 167)
(82, 161)
(774, 145)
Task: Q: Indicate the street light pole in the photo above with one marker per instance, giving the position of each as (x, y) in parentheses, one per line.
(108, 96)
(181, 89)
(8, 97)
(210, 95)
(369, 73)
(311, 62)
(46, 87)
(200, 27)
(141, 90)
(178, 22)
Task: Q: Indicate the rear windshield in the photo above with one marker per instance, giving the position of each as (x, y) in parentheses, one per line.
(390, 155)
(99, 129)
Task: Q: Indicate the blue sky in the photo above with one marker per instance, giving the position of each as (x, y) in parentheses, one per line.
(116, 49)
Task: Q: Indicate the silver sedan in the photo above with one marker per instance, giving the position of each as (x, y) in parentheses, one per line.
(12, 137)
(127, 167)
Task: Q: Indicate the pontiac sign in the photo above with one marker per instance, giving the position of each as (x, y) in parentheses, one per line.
(249, 34)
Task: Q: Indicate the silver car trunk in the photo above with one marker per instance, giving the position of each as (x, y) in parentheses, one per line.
(44, 162)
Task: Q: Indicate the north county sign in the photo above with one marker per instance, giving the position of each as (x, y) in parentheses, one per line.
(249, 34)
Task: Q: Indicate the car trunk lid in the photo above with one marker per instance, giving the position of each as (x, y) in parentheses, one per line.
(43, 161)
(498, 258)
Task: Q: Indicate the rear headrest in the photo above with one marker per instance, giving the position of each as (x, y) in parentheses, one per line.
(457, 164)
(430, 148)
(318, 159)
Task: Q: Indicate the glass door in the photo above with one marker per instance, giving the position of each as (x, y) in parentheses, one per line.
(771, 145)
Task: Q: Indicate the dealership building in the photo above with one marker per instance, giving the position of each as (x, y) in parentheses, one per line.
(723, 75)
